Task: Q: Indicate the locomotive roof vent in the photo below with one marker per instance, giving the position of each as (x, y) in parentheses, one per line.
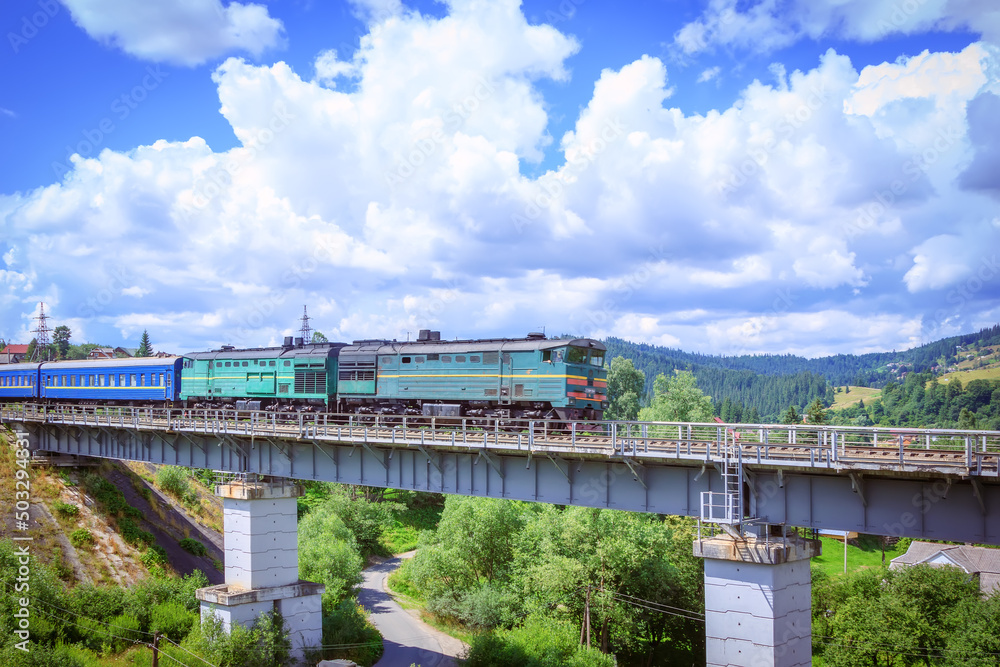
(298, 342)
(227, 348)
(424, 334)
(434, 335)
(288, 342)
(536, 335)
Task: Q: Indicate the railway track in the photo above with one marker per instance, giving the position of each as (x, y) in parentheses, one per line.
(965, 452)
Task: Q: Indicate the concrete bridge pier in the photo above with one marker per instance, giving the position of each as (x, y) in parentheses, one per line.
(758, 600)
(262, 563)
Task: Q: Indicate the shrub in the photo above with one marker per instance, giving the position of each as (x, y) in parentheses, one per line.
(105, 493)
(347, 625)
(68, 510)
(172, 619)
(154, 555)
(193, 546)
(172, 479)
(264, 644)
(81, 537)
(134, 535)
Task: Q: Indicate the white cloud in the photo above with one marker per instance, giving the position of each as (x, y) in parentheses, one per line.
(185, 33)
(801, 218)
(709, 74)
(769, 25)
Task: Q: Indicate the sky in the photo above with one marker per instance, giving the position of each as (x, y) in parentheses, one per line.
(727, 177)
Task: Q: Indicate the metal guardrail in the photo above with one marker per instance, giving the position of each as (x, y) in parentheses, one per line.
(966, 452)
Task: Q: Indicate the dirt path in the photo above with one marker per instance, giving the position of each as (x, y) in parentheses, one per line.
(407, 639)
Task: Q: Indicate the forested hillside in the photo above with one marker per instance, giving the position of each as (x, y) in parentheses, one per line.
(767, 384)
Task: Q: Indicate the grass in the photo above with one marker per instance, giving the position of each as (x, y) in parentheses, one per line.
(405, 532)
(991, 373)
(842, 400)
(866, 552)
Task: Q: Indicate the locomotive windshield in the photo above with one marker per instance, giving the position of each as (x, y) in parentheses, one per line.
(579, 355)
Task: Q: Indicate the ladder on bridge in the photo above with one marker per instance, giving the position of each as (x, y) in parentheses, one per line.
(725, 507)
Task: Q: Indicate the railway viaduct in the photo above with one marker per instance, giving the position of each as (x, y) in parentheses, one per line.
(751, 486)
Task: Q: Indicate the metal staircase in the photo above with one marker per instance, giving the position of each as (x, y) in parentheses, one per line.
(725, 507)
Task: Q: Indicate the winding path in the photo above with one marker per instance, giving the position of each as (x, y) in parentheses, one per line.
(407, 640)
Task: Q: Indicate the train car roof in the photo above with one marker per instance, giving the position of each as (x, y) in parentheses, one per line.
(471, 346)
(320, 350)
(109, 363)
(21, 366)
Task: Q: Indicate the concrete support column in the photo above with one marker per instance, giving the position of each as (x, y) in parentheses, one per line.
(758, 601)
(262, 563)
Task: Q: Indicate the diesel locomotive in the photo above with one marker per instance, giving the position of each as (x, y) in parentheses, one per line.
(531, 378)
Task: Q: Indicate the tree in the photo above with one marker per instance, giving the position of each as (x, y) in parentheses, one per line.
(145, 349)
(677, 399)
(625, 385)
(328, 553)
(318, 337)
(791, 416)
(816, 413)
(60, 340)
(32, 346)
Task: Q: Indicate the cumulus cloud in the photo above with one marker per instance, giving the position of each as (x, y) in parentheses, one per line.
(769, 25)
(401, 202)
(185, 33)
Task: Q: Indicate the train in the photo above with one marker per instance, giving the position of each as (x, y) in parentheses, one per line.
(505, 378)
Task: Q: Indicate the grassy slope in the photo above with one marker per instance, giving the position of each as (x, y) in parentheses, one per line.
(842, 400)
(864, 553)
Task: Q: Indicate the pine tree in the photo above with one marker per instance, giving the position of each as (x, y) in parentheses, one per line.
(145, 349)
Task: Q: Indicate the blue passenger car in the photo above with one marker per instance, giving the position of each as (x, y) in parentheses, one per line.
(139, 380)
(19, 381)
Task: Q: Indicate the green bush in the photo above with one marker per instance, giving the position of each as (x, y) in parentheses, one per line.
(264, 644)
(172, 619)
(193, 546)
(540, 642)
(173, 480)
(105, 493)
(154, 555)
(68, 510)
(347, 625)
(134, 535)
(81, 537)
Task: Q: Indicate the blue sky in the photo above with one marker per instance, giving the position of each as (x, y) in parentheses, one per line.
(723, 177)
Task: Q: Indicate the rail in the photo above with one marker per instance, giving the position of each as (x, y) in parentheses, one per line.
(964, 452)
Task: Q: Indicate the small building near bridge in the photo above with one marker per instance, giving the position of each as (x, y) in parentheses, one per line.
(980, 562)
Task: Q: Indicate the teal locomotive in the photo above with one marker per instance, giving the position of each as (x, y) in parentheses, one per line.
(517, 378)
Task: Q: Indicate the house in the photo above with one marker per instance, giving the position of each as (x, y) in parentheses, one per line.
(13, 354)
(980, 562)
(111, 352)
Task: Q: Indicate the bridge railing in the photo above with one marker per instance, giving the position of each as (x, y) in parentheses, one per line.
(795, 444)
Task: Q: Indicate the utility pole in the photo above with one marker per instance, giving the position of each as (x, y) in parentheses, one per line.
(156, 649)
(41, 332)
(306, 330)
